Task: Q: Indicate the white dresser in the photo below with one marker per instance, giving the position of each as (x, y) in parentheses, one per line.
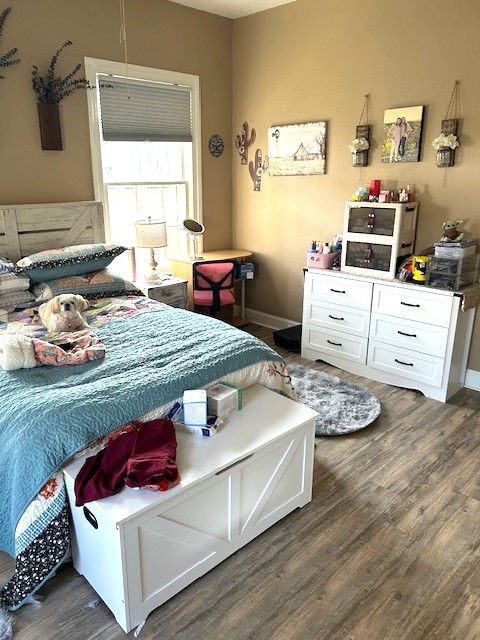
(139, 548)
(398, 333)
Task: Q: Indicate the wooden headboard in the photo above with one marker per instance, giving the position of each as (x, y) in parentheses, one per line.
(28, 228)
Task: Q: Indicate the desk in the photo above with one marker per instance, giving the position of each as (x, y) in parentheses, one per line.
(182, 266)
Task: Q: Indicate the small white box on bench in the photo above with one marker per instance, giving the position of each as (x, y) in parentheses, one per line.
(195, 407)
(223, 399)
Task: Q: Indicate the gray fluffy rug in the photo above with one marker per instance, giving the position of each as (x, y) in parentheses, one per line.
(344, 407)
(6, 631)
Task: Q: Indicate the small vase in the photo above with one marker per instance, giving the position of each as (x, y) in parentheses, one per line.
(360, 159)
(50, 129)
(445, 157)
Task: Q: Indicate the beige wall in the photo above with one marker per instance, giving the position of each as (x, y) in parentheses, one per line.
(160, 34)
(315, 60)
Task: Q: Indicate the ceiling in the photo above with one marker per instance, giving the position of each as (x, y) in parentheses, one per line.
(232, 8)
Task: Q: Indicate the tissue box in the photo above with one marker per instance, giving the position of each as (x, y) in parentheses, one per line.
(223, 399)
(195, 407)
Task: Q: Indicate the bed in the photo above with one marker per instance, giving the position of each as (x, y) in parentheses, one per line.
(52, 414)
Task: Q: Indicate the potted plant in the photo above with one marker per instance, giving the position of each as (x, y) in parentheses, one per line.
(51, 89)
(445, 146)
(358, 149)
(7, 59)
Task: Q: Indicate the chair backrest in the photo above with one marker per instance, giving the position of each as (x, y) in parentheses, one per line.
(214, 275)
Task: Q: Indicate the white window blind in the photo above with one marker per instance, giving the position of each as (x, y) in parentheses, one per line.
(136, 110)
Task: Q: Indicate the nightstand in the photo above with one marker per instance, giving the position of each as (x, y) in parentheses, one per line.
(172, 291)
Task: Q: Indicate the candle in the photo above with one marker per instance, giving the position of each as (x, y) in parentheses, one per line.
(375, 188)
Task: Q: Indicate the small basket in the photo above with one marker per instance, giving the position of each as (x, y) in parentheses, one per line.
(320, 260)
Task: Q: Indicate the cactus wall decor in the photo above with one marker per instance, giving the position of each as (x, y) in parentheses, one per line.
(243, 141)
(258, 168)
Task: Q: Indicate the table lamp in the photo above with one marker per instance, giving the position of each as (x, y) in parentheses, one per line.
(151, 234)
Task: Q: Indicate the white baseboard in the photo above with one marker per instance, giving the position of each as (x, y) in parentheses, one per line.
(267, 320)
(472, 380)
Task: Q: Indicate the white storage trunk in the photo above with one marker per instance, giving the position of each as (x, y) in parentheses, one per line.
(139, 548)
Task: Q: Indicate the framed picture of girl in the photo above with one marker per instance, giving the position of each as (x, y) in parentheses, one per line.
(402, 134)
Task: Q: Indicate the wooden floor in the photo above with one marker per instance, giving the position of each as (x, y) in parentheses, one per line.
(389, 548)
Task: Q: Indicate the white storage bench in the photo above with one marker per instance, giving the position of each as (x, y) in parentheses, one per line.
(139, 548)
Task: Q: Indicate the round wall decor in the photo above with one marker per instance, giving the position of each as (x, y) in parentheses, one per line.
(216, 145)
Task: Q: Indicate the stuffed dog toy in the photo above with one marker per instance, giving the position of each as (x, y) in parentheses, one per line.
(64, 313)
(450, 232)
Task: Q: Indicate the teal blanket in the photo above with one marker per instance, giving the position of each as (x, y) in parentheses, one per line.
(49, 413)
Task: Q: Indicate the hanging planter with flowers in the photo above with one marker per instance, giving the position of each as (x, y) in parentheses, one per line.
(359, 147)
(445, 146)
(447, 141)
(359, 150)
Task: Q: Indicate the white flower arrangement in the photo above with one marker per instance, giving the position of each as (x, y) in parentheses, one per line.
(359, 144)
(445, 142)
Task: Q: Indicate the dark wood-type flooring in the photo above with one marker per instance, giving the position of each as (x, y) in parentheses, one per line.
(387, 550)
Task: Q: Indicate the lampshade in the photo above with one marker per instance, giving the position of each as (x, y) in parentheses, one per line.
(151, 234)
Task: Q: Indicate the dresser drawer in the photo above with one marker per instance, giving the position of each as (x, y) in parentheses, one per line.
(406, 364)
(334, 343)
(342, 291)
(424, 338)
(410, 304)
(337, 318)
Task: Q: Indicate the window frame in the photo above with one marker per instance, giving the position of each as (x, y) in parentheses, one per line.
(96, 65)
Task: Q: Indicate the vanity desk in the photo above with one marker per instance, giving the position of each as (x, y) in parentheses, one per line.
(182, 267)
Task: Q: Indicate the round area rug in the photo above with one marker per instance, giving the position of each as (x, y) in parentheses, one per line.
(6, 631)
(343, 407)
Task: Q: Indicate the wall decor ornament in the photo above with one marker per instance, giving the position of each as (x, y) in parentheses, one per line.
(244, 141)
(257, 169)
(359, 147)
(51, 89)
(216, 145)
(447, 141)
(7, 59)
(402, 134)
(297, 149)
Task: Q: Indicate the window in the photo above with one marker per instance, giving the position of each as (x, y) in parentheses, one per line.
(145, 132)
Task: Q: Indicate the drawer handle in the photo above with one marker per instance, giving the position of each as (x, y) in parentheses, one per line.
(337, 291)
(407, 364)
(408, 304)
(334, 318)
(230, 466)
(335, 344)
(409, 335)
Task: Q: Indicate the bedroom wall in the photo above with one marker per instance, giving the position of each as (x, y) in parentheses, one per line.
(160, 34)
(309, 61)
